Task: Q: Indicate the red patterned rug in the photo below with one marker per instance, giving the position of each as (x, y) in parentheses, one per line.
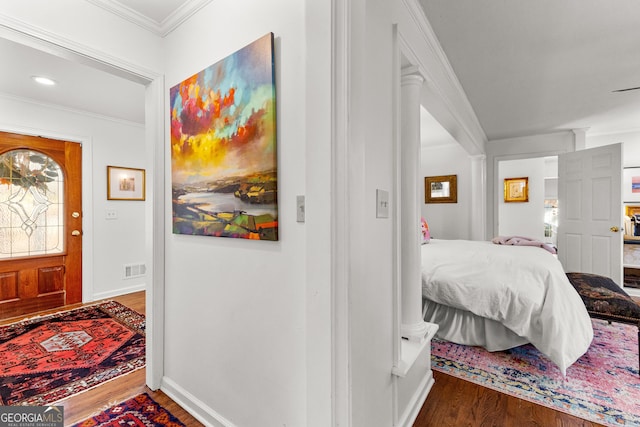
(141, 411)
(48, 358)
(602, 386)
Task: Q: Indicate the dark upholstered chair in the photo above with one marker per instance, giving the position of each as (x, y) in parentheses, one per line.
(606, 300)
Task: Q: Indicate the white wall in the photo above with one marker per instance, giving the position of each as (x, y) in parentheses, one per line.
(523, 218)
(448, 220)
(107, 244)
(371, 167)
(235, 337)
(630, 145)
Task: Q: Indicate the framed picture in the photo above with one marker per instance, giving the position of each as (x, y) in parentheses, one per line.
(125, 183)
(441, 189)
(631, 184)
(516, 190)
(224, 166)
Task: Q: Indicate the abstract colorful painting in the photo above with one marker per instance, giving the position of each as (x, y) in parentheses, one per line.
(223, 147)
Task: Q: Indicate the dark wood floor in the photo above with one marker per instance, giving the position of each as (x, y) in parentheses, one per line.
(452, 402)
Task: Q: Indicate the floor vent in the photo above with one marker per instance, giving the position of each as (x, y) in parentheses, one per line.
(134, 270)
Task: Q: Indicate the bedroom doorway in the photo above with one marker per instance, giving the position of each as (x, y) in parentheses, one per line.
(537, 217)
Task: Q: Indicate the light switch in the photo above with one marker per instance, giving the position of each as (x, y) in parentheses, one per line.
(300, 213)
(382, 204)
(111, 214)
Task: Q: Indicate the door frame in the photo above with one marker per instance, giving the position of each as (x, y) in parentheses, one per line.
(87, 218)
(54, 44)
(497, 186)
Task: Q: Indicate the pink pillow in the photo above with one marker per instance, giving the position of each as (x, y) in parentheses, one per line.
(426, 236)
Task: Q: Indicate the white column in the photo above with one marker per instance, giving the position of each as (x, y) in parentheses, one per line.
(413, 326)
(580, 138)
(478, 197)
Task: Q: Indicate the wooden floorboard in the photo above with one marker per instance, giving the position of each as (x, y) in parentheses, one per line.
(453, 402)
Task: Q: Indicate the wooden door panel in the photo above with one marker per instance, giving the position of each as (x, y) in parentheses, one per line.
(590, 206)
(8, 286)
(39, 282)
(50, 279)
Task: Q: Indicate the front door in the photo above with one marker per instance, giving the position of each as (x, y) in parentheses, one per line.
(40, 224)
(590, 226)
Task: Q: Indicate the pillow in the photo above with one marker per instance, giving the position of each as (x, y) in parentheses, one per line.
(426, 236)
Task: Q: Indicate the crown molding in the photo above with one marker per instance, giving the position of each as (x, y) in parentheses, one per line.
(614, 132)
(51, 106)
(161, 29)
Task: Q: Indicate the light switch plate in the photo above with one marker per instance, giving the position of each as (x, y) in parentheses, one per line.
(111, 214)
(382, 204)
(300, 208)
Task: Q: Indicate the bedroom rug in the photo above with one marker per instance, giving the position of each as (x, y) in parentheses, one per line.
(603, 386)
(48, 358)
(141, 410)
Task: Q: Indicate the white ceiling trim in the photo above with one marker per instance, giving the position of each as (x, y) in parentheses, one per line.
(161, 29)
(181, 14)
(59, 107)
(616, 132)
(46, 41)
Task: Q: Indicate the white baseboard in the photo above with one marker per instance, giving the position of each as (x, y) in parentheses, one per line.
(417, 401)
(192, 405)
(118, 292)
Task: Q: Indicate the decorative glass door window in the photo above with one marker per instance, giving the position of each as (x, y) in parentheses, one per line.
(31, 205)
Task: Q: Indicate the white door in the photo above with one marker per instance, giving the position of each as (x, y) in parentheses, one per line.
(590, 226)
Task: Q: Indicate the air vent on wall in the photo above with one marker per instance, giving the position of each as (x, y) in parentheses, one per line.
(134, 270)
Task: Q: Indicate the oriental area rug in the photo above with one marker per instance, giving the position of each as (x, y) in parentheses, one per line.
(603, 386)
(141, 410)
(48, 358)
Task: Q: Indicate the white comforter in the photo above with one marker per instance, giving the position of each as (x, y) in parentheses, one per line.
(524, 288)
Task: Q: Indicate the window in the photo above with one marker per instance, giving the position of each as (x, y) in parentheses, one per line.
(31, 204)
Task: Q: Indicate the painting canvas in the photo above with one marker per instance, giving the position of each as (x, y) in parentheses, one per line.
(223, 147)
(631, 184)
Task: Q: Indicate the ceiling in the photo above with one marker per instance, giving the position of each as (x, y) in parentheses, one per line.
(82, 87)
(78, 87)
(526, 67)
(156, 10)
(531, 67)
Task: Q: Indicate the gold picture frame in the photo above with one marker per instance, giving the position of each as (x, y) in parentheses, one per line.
(516, 190)
(125, 183)
(441, 189)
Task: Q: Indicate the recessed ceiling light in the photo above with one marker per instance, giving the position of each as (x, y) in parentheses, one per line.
(43, 80)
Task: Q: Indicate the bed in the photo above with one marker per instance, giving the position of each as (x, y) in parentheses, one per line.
(501, 297)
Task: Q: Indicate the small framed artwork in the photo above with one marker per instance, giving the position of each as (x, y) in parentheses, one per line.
(516, 190)
(125, 183)
(631, 184)
(441, 189)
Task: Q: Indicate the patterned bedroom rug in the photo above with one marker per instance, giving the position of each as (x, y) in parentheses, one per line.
(48, 358)
(603, 386)
(141, 410)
